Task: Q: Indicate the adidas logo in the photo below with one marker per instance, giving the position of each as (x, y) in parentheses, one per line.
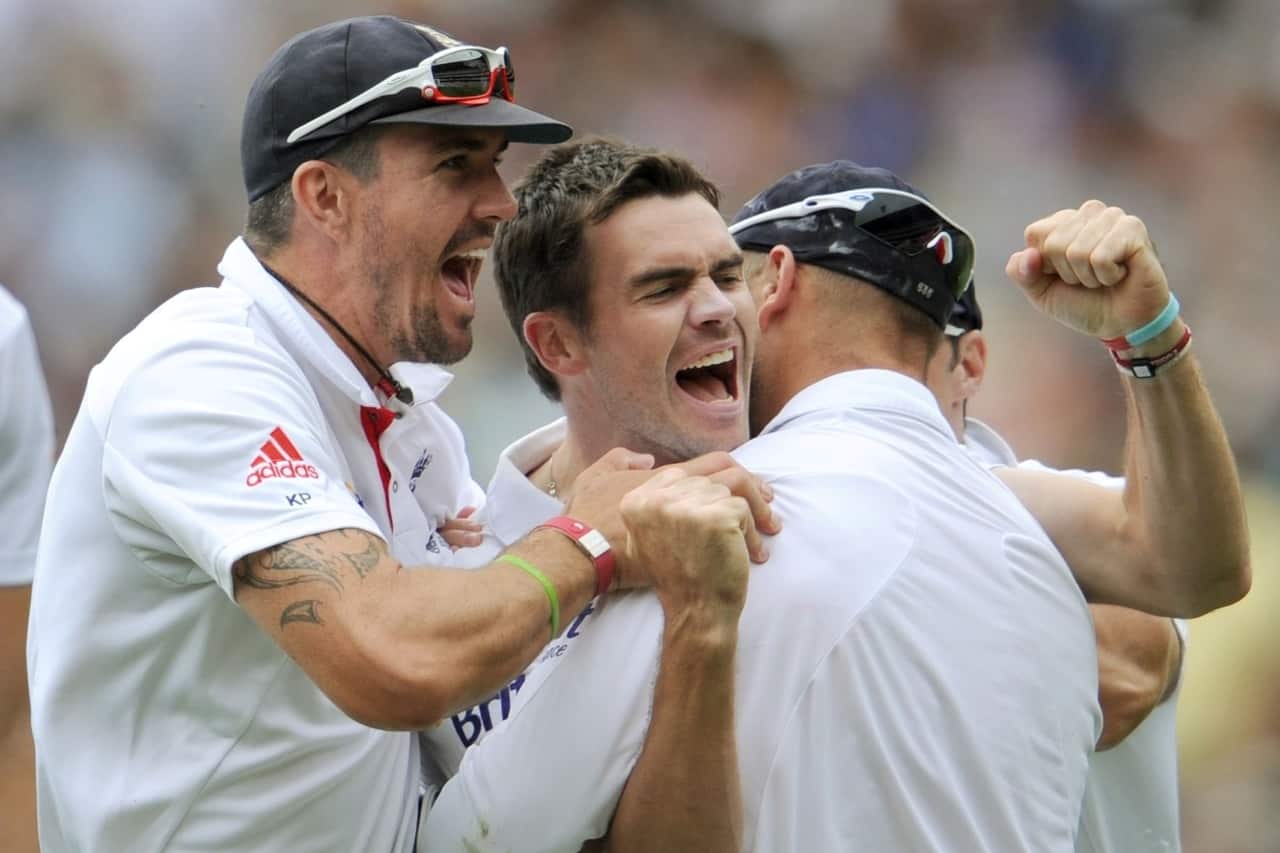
(279, 459)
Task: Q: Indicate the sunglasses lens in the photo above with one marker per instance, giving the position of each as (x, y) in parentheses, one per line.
(464, 74)
(901, 222)
(911, 228)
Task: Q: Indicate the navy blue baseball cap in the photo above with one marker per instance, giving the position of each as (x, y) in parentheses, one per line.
(866, 223)
(321, 71)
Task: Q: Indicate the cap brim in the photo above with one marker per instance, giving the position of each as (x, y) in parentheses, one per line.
(521, 124)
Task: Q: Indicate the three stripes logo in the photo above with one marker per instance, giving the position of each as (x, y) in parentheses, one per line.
(279, 459)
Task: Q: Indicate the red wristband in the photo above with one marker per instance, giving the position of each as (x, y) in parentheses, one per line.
(592, 542)
(1147, 368)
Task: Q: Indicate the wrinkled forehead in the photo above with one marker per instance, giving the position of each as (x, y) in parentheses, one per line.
(659, 232)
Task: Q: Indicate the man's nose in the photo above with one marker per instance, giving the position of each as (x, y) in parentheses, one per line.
(710, 304)
(496, 203)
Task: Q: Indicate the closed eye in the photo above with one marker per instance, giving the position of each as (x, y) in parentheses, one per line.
(662, 293)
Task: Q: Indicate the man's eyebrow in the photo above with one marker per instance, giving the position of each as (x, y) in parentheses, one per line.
(726, 264)
(657, 274)
(683, 273)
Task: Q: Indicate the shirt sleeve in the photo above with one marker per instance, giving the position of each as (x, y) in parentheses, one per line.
(1098, 478)
(26, 449)
(214, 448)
(549, 777)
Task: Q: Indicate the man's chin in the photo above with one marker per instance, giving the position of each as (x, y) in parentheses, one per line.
(709, 442)
(443, 350)
(456, 352)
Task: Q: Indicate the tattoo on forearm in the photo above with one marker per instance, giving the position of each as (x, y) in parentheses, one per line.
(312, 559)
(264, 570)
(364, 560)
(301, 611)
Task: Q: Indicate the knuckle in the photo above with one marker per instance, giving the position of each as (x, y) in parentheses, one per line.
(1078, 256)
(1039, 229)
(632, 504)
(1054, 246)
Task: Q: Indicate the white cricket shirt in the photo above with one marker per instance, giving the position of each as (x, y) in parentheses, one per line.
(26, 443)
(228, 421)
(1131, 799)
(916, 665)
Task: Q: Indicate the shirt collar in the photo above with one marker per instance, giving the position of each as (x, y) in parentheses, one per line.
(513, 505)
(987, 445)
(867, 390)
(304, 336)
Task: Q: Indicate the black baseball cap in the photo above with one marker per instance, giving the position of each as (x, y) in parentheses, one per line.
(317, 70)
(834, 238)
(967, 314)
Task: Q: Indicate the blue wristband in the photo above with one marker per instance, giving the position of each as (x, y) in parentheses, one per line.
(1151, 330)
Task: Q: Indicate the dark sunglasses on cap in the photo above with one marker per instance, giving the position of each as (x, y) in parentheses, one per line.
(464, 74)
(900, 220)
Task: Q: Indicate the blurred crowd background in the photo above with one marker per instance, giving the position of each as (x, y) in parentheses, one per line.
(120, 185)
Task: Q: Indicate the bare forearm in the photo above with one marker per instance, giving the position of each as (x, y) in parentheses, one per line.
(685, 793)
(476, 630)
(399, 648)
(1182, 494)
(1139, 661)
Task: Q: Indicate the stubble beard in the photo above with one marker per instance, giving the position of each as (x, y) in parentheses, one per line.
(645, 432)
(426, 340)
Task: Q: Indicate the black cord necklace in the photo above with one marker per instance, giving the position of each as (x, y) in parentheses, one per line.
(387, 384)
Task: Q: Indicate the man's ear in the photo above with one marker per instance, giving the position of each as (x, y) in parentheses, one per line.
(322, 195)
(556, 342)
(971, 350)
(775, 294)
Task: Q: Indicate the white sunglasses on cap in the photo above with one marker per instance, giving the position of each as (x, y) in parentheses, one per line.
(464, 74)
(901, 220)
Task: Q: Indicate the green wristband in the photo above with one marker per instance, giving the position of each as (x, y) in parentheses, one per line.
(547, 587)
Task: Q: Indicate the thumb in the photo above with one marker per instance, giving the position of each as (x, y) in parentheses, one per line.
(1025, 266)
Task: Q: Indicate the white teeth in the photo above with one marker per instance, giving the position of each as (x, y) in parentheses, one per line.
(711, 358)
(473, 255)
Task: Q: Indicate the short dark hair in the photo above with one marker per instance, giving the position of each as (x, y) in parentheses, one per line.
(540, 262)
(271, 214)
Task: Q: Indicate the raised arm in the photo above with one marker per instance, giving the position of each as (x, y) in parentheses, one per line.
(1175, 541)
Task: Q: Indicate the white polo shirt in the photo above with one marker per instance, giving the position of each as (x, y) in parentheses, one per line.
(227, 422)
(916, 665)
(1131, 800)
(26, 443)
